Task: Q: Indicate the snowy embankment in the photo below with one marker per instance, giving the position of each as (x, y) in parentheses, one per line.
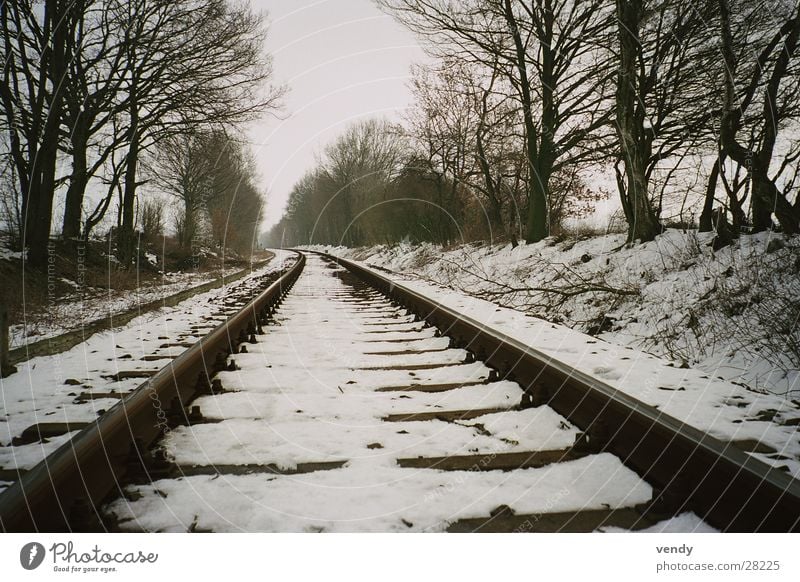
(652, 311)
(49, 388)
(96, 304)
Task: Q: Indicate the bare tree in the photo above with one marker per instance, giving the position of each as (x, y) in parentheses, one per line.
(183, 167)
(235, 205)
(442, 127)
(35, 61)
(151, 221)
(190, 63)
(100, 82)
(549, 51)
(356, 171)
(765, 80)
(299, 224)
(630, 123)
(466, 132)
(213, 178)
(665, 113)
(93, 98)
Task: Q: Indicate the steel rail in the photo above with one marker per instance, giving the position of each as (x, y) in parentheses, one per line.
(64, 492)
(689, 469)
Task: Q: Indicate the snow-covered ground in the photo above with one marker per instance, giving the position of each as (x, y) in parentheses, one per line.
(90, 305)
(734, 312)
(668, 278)
(310, 391)
(47, 389)
(313, 390)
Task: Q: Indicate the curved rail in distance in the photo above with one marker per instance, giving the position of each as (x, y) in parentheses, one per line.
(65, 490)
(690, 470)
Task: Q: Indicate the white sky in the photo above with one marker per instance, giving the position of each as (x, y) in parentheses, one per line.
(342, 60)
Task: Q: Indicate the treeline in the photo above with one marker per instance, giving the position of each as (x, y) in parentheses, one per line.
(213, 179)
(693, 107)
(99, 97)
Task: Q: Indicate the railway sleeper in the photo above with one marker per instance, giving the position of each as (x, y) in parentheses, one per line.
(593, 440)
(444, 415)
(45, 430)
(503, 519)
(128, 374)
(250, 469)
(89, 396)
(429, 387)
(493, 461)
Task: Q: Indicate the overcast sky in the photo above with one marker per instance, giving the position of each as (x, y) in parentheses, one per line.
(342, 60)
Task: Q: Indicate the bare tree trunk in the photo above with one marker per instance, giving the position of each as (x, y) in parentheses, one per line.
(125, 234)
(537, 188)
(548, 82)
(125, 241)
(73, 204)
(642, 222)
(42, 213)
(42, 135)
(767, 199)
(766, 196)
(706, 218)
(495, 204)
(189, 223)
(761, 208)
(45, 162)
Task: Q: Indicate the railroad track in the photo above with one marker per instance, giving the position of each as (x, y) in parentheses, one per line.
(355, 404)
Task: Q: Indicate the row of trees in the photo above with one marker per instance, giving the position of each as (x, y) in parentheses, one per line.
(685, 103)
(91, 89)
(381, 183)
(365, 189)
(213, 178)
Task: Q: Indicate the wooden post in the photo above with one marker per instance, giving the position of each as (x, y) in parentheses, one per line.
(6, 369)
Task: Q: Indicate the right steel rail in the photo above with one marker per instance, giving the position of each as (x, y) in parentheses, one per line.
(689, 469)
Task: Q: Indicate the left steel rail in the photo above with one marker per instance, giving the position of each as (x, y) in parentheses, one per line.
(64, 492)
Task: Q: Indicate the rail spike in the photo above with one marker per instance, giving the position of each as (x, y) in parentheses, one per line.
(535, 395)
(594, 440)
